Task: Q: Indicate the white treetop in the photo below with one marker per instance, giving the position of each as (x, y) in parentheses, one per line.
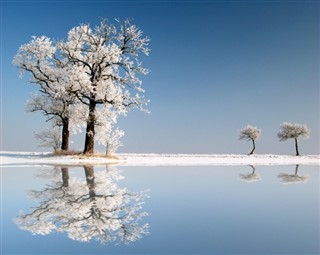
(290, 130)
(249, 133)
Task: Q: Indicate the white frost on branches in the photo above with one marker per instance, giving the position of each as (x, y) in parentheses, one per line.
(112, 141)
(249, 133)
(94, 69)
(290, 130)
(105, 133)
(293, 131)
(50, 137)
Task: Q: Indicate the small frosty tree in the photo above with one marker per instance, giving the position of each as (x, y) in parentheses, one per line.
(293, 131)
(250, 133)
(106, 134)
(113, 142)
(50, 138)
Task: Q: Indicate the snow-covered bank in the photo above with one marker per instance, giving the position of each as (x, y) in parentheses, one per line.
(45, 158)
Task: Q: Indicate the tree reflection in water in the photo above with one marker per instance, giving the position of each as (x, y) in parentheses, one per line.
(94, 209)
(251, 177)
(293, 178)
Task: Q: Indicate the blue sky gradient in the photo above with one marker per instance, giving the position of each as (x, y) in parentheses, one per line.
(216, 66)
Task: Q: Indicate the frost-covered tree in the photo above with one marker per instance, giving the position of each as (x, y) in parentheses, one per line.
(293, 131)
(250, 133)
(95, 66)
(113, 141)
(93, 209)
(110, 138)
(106, 134)
(50, 137)
(52, 76)
(107, 68)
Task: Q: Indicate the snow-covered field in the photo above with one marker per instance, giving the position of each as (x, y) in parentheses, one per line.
(8, 158)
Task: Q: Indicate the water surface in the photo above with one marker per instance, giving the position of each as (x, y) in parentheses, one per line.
(161, 210)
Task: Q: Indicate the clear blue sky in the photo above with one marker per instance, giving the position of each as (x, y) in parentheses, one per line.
(216, 67)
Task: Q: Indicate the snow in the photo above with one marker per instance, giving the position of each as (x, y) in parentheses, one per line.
(9, 158)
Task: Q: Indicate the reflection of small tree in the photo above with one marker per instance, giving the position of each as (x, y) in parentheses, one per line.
(293, 178)
(293, 131)
(250, 177)
(95, 209)
(250, 133)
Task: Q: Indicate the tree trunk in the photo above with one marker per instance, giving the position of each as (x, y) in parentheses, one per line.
(65, 135)
(296, 171)
(296, 144)
(89, 141)
(254, 147)
(253, 169)
(89, 172)
(65, 177)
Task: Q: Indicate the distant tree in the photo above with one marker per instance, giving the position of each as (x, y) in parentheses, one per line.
(250, 133)
(293, 131)
(50, 138)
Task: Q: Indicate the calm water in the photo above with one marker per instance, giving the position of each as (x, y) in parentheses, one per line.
(161, 210)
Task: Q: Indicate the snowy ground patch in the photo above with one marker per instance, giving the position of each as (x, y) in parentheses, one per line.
(130, 159)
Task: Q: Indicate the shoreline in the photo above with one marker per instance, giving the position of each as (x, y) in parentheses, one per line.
(20, 159)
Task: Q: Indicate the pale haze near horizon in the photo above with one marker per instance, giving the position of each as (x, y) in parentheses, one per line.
(215, 67)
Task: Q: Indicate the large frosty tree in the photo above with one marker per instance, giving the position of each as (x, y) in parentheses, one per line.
(95, 67)
(293, 131)
(107, 68)
(250, 133)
